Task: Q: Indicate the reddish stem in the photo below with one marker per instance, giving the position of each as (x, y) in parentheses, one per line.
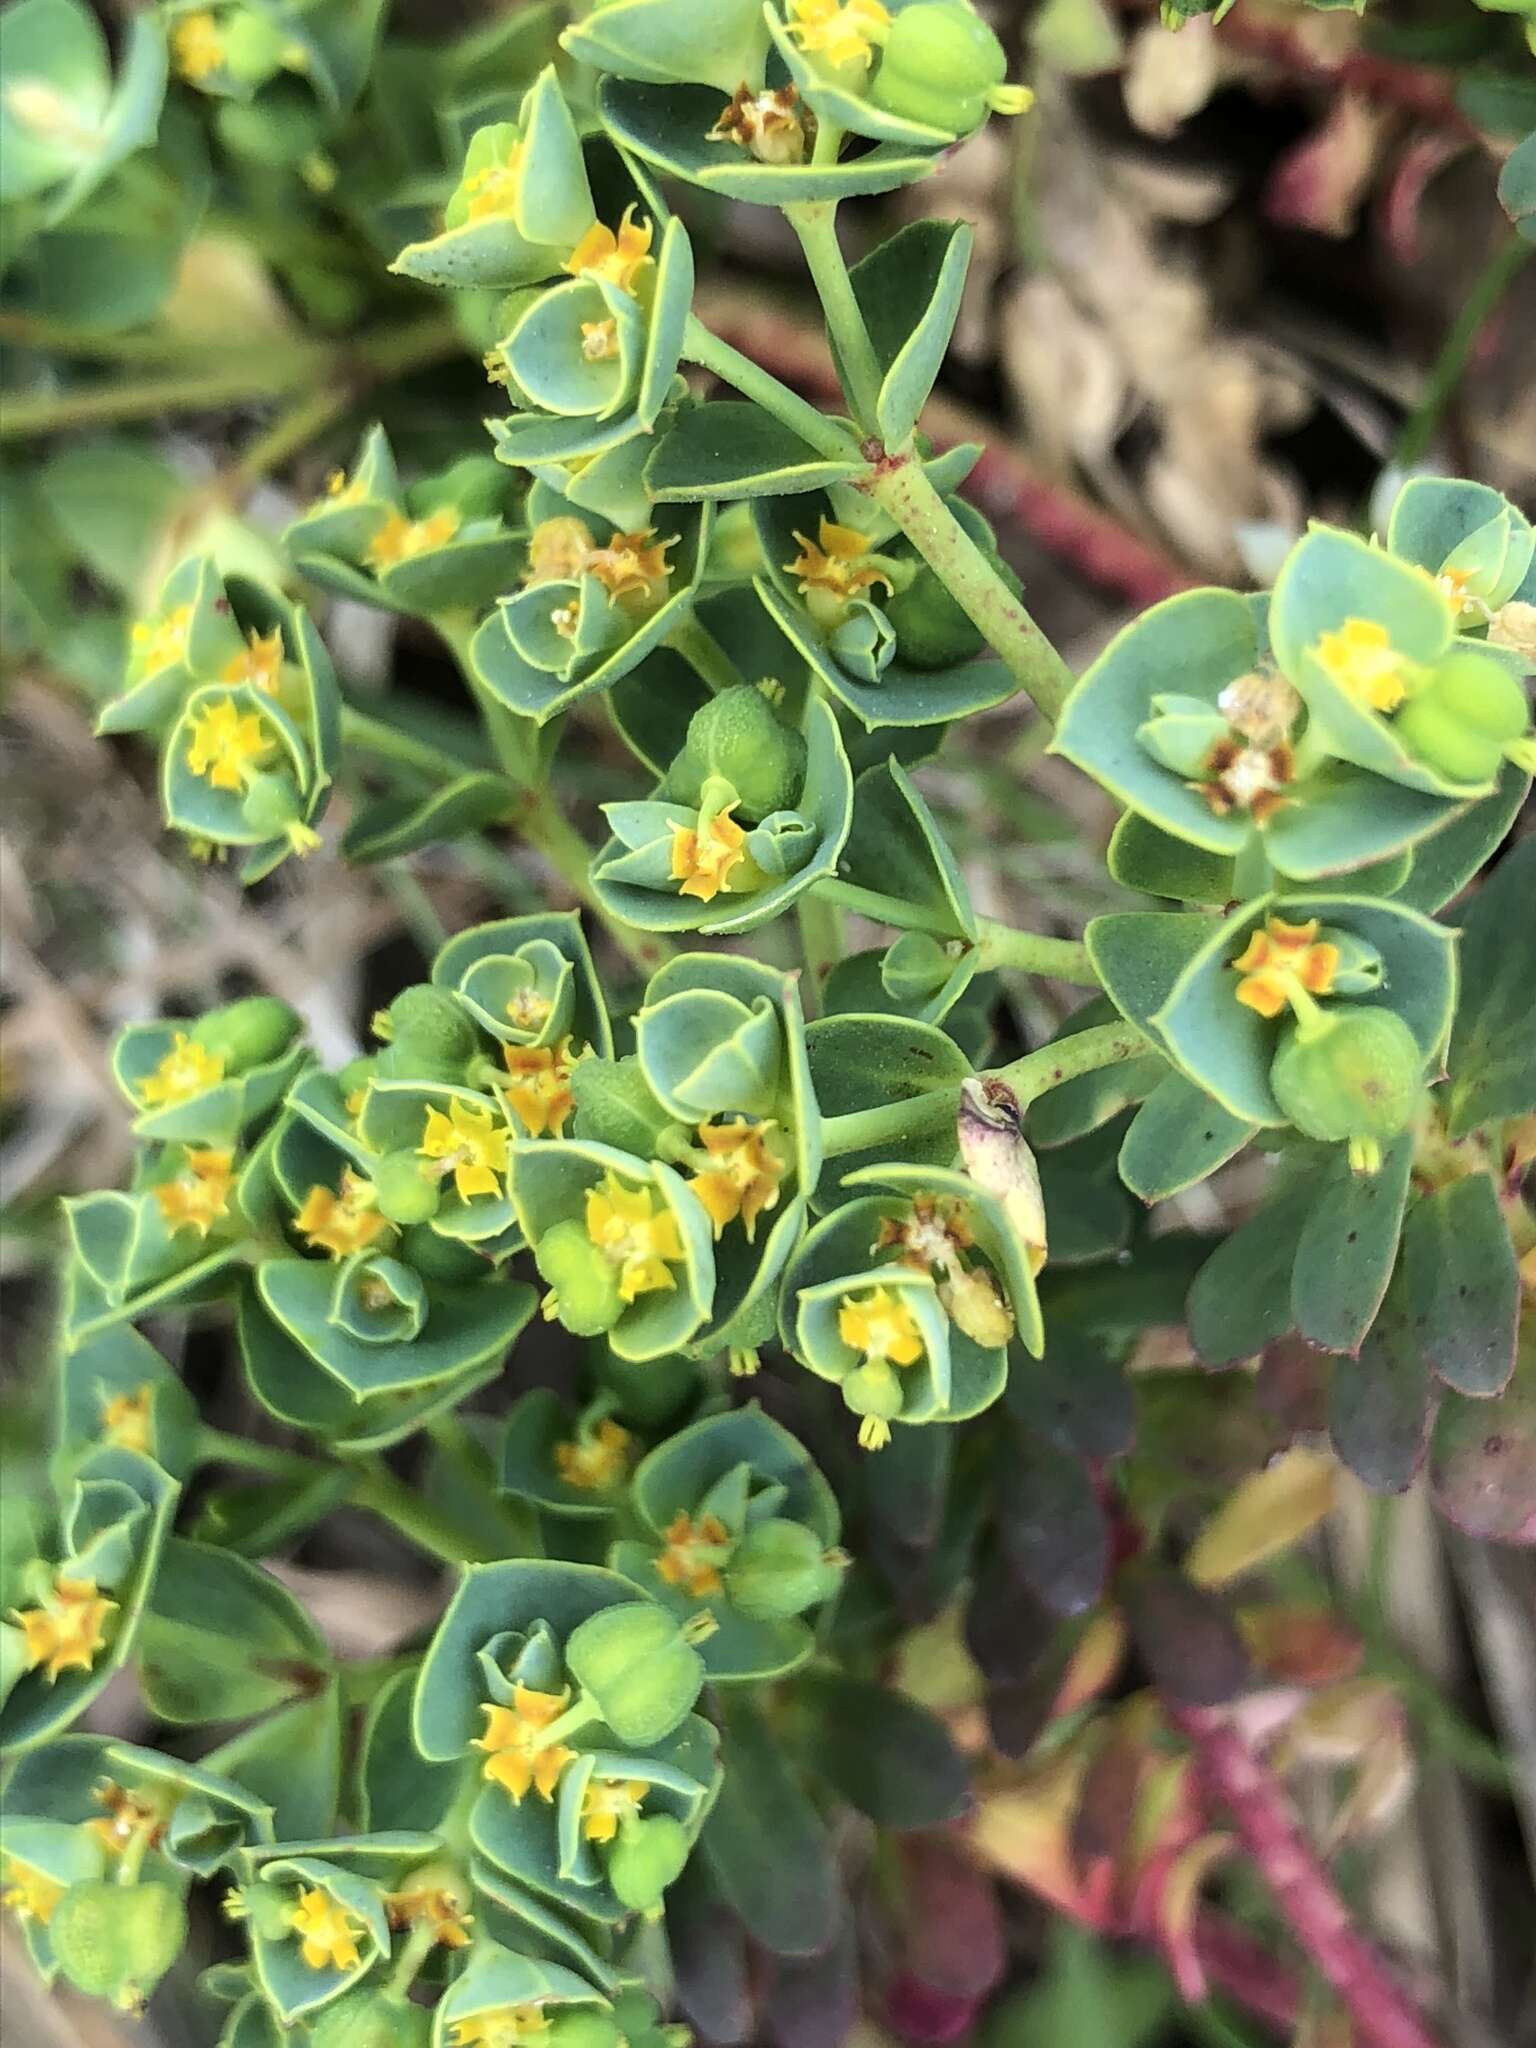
(1246, 1971)
(1384, 2014)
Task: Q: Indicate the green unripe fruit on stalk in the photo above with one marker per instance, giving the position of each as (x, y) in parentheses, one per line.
(932, 630)
(247, 1033)
(738, 737)
(402, 1192)
(271, 802)
(117, 1941)
(779, 1569)
(941, 66)
(371, 2019)
(1466, 717)
(581, 2030)
(585, 1282)
(648, 1856)
(874, 1390)
(1354, 1073)
(427, 1023)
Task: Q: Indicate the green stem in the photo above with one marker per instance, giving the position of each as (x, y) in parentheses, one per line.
(1036, 953)
(901, 487)
(217, 1446)
(416, 908)
(704, 654)
(733, 368)
(431, 1528)
(581, 1713)
(1084, 1052)
(882, 909)
(859, 1129)
(1418, 430)
(816, 225)
(458, 1445)
(822, 944)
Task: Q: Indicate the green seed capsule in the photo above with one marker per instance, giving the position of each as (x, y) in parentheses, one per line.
(585, 1282)
(272, 802)
(1358, 1075)
(941, 66)
(117, 1941)
(738, 737)
(430, 1023)
(247, 1033)
(779, 1569)
(402, 1191)
(371, 2019)
(648, 1856)
(1466, 718)
(873, 1389)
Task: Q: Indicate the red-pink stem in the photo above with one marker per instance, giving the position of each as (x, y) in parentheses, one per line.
(1384, 2014)
(1246, 1971)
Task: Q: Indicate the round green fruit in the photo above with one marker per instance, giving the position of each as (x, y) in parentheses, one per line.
(428, 1023)
(1358, 1074)
(585, 1282)
(271, 802)
(117, 1941)
(247, 1033)
(402, 1191)
(779, 1569)
(940, 66)
(738, 737)
(371, 2019)
(648, 1856)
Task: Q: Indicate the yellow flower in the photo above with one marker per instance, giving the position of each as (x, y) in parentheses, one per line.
(259, 662)
(705, 857)
(226, 745)
(199, 1195)
(1361, 659)
(197, 46)
(615, 258)
(188, 1069)
(881, 1325)
(129, 1817)
(842, 31)
(342, 490)
(469, 1142)
(608, 1801)
(1281, 959)
(400, 539)
(31, 1894)
(514, 1759)
(633, 569)
(835, 569)
(503, 2026)
(558, 550)
(344, 1222)
(327, 1931)
(597, 1462)
(128, 1419)
(743, 1178)
(693, 1554)
(540, 1089)
(68, 1630)
(161, 643)
(431, 1906)
(493, 190)
(528, 1009)
(640, 1240)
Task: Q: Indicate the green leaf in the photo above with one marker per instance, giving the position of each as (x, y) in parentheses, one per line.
(1517, 187)
(896, 847)
(1493, 1048)
(765, 1845)
(865, 1062)
(1348, 1247)
(1241, 1298)
(1143, 856)
(732, 449)
(1446, 861)
(1178, 1137)
(883, 1753)
(1463, 1285)
(1380, 1403)
(1090, 1100)
(389, 827)
(223, 1640)
(111, 500)
(292, 1761)
(1482, 1461)
(909, 291)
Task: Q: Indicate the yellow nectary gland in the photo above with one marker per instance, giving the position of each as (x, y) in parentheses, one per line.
(1285, 964)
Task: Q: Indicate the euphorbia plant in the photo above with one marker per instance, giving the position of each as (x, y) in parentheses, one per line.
(790, 1216)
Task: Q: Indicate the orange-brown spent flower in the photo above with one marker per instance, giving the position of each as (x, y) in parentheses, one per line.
(693, 1553)
(515, 1758)
(598, 1462)
(128, 1419)
(430, 1906)
(835, 569)
(1281, 958)
(768, 125)
(633, 569)
(558, 550)
(1254, 779)
(539, 1091)
(743, 1176)
(342, 1221)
